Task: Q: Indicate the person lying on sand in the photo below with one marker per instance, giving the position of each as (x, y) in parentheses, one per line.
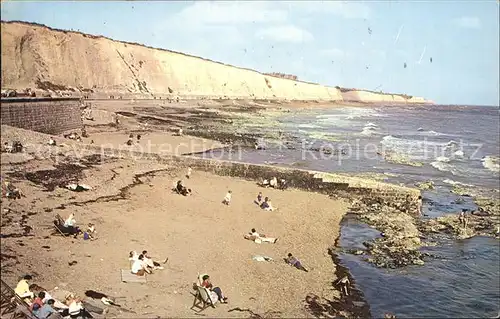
(139, 267)
(292, 261)
(207, 284)
(227, 198)
(153, 265)
(259, 238)
(105, 299)
(266, 204)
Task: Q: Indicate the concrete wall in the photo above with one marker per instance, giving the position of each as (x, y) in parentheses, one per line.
(46, 115)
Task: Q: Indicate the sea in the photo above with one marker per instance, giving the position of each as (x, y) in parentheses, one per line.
(452, 146)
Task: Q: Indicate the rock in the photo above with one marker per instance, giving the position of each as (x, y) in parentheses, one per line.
(419, 262)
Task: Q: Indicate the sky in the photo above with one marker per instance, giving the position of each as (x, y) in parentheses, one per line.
(347, 44)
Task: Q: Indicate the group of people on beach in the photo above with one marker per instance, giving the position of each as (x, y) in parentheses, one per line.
(69, 227)
(44, 306)
(142, 263)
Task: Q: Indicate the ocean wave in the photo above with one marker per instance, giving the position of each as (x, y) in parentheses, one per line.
(491, 163)
(452, 182)
(431, 133)
(443, 159)
(309, 126)
(444, 167)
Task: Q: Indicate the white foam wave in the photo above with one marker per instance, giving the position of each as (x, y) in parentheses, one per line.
(459, 153)
(443, 167)
(491, 163)
(308, 126)
(452, 182)
(443, 159)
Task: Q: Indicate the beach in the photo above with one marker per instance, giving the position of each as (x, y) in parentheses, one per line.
(133, 208)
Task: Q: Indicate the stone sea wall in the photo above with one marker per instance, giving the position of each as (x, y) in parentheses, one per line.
(46, 115)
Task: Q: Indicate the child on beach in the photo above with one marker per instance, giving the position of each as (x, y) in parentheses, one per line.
(292, 261)
(227, 199)
(188, 172)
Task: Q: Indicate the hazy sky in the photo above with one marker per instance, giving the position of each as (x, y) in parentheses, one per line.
(326, 41)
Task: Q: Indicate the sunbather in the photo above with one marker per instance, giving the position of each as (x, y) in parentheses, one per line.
(139, 267)
(52, 142)
(23, 288)
(150, 262)
(11, 191)
(207, 284)
(259, 238)
(105, 299)
(292, 261)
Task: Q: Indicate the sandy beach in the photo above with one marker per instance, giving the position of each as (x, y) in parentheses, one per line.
(197, 233)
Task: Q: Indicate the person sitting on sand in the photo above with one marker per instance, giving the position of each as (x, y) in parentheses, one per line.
(153, 265)
(52, 142)
(38, 300)
(259, 199)
(129, 142)
(292, 261)
(259, 238)
(181, 189)
(266, 204)
(282, 184)
(273, 182)
(11, 191)
(23, 288)
(75, 308)
(227, 198)
(47, 310)
(139, 267)
(7, 148)
(207, 284)
(89, 234)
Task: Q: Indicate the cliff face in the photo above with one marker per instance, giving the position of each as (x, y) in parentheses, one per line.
(39, 57)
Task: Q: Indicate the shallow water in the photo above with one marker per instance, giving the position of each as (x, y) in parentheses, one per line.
(462, 283)
(454, 145)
